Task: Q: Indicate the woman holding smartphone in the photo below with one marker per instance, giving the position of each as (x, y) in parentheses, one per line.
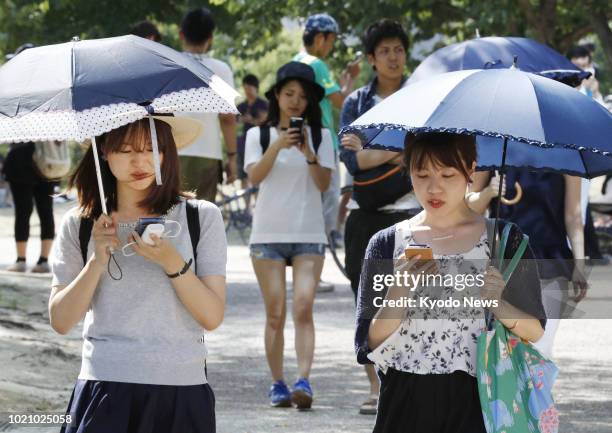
(292, 167)
(143, 348)
(427, 361)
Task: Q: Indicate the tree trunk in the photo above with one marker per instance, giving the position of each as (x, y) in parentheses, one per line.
(602, 29)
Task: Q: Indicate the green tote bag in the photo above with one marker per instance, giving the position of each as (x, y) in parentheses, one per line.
(514, 379)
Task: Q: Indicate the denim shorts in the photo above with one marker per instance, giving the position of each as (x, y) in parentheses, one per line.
(286, 251)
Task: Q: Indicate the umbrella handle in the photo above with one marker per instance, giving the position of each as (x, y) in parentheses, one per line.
(517, 197)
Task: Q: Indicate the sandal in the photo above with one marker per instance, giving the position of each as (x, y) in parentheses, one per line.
(369, 407)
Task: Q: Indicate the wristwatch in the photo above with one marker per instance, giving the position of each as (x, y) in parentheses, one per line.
(316, 161)
(182, 271)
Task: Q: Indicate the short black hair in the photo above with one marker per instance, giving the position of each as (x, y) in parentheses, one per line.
(578, 51)
(146, 29)
(198, 26)
(251, 80)
(383, 29)
(309, 37)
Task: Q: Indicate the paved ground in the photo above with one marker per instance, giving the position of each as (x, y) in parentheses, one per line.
(39, 367)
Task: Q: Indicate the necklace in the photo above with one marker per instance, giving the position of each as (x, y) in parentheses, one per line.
(443, 237)
(428, 228)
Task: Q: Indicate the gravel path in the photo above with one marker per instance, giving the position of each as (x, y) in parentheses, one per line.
(39, 366)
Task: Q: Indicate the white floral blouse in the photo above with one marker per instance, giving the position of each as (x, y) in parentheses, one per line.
(436, 340)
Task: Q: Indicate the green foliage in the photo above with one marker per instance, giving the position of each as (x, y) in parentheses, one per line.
(253, 29)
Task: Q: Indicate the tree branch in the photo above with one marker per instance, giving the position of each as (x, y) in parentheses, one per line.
(565, 42)
(602, 29)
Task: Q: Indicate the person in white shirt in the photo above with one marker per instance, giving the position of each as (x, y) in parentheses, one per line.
(201, 162)
(292, 167)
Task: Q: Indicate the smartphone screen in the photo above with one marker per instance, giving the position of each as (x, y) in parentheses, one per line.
(297, 122)
(424, 251)
(144, 222)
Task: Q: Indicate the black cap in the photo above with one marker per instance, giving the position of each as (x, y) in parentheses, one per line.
(296, 71)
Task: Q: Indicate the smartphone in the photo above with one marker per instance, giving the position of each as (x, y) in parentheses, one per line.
(144, 222)
(424, 251)
(297, 122)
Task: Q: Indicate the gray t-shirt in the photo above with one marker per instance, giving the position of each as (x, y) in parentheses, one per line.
(137, 330)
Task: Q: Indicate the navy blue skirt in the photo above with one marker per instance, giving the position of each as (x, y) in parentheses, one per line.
(118, 407)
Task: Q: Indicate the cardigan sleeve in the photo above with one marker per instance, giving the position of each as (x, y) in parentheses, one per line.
(523, 290)
(378, 259)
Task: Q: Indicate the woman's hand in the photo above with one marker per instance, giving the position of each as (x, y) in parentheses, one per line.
(387, 319)
(304, 147)
(287, 138)
(579, 281)
(162, 252)
(414, 265)
(493, 286)
(104, 233)
(493, 187)
(351, 142)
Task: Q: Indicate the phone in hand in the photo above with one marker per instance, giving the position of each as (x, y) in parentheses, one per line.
(297, 122)
(144, 222)
(424, 251)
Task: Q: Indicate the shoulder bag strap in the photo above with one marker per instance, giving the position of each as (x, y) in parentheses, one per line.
(85, 228)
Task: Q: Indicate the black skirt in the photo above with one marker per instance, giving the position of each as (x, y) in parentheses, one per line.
(117, 407)
(428, 403)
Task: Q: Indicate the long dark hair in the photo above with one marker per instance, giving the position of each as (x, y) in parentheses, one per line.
(312, 113)
(159, 199)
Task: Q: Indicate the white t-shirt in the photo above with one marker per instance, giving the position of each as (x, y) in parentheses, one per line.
(288, 206)
(208, 144)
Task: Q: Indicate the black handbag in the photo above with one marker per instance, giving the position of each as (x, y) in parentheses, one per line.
(380, 186)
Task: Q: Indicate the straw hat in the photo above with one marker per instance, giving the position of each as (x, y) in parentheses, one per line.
(185, 130)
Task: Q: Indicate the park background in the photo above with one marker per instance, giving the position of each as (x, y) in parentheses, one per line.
(257, 36)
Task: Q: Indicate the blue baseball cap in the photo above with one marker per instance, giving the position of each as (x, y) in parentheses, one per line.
(321, 23)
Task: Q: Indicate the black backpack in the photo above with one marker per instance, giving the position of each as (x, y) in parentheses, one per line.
(264, 138)
(380, 186)
(193, 225)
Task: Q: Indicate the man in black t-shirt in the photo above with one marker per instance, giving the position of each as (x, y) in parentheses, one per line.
(253, 112)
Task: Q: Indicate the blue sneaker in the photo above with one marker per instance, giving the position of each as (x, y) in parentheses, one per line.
(279, 394)
(302, 394)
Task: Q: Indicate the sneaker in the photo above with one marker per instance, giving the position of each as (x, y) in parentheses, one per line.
(41, 268)
(17, 267)
(302, 394)
(325, 287)
(279, 395)
(369, 407)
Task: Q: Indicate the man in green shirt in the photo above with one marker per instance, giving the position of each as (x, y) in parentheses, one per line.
(319, 36)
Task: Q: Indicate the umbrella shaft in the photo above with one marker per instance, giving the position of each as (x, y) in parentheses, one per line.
(99, 175)
(499, 195)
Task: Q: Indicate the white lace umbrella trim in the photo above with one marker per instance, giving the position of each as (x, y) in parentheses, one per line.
(82, 125)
